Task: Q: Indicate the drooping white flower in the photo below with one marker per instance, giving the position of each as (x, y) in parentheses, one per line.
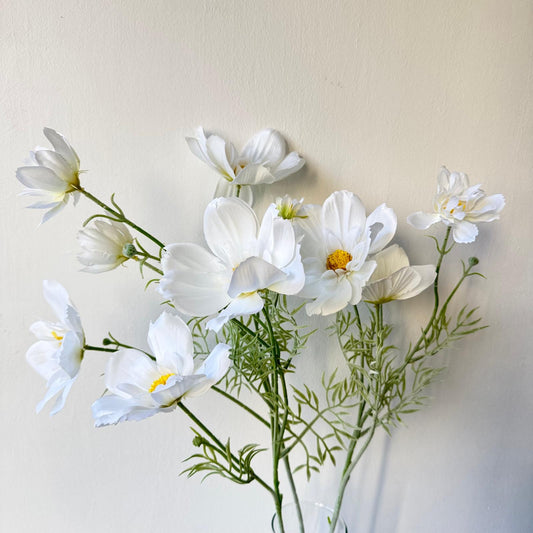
(243, 258)
(53, 175)
(141, 387)
(105, 246)
(263, 160)
(394, 279)
(460, 206)
(338, 240)
(57, 355)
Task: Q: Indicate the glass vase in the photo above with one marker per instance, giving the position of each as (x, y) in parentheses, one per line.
(315, 515)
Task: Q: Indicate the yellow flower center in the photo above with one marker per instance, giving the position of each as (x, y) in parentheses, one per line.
(338, 260)
(56, 336)
(159, 381)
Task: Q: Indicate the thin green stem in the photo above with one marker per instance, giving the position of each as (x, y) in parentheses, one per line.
(146, 264)
(256, 415)
(88, 347)
(120, 216)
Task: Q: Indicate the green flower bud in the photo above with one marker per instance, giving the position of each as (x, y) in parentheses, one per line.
(129, 250)
(107, 342)
(473, 261)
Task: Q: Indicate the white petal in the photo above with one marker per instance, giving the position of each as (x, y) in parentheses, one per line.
(112, 409)
(487, 209)
(389, 261)
(170, 340)
(426, 275)
(343, 214)
(420, 220)
(254, 175)
(195, 280)
(266, 147)
(167, 396)
(41, 178)
(359, 279)
(57, 163)
(128, 366)
(42, 357)
(230, 229)
(70, 354)
(57, 297)
(62, 147)
(221, 155)
(382, 224)
(295, 277)
(254, 274)
(464, 232)
(244, 305)
(335, 294)
(214, 368)
(291, 164)
(53, 212)
(59, 382)
(277, 240)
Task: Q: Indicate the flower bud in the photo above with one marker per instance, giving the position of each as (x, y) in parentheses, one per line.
(107, 342)
(473, 261)
(129, 250)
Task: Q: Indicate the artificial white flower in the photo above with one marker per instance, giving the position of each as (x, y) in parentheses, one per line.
(53, 175)
(243, 258)
(338, 239)
(460, 206)
(394, 279)
(105, 246)
(263, 160)
(57, 355)
(290, 209)
(141, 387)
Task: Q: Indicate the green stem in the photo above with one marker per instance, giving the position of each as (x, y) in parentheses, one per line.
(120, 216)
(151, 267)
(256, 415)
(88, 347)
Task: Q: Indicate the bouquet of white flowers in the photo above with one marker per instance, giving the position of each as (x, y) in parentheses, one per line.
(235, 322)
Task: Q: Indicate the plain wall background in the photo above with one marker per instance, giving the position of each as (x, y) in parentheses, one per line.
(376, 96)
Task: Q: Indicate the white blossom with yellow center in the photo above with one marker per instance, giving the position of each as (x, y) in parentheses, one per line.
(57, 355)
(141, 387)
(460, 206)
(338, 238)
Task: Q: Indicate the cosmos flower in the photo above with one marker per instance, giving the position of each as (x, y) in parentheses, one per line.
(460, 206)
(338, 240)
(141, 387)
(263, 160)
(243, 258)
(57, 355)
(53, 175)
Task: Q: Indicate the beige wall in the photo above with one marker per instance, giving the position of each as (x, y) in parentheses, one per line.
(376, 96)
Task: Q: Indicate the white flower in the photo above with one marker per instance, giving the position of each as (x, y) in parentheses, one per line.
(141, 387)
(57, 355)
(53, 175)
(460, 206)
(243, 258)
(339, 237)
(289, 209)
(394, 279)
(105, 246)
(263, 160)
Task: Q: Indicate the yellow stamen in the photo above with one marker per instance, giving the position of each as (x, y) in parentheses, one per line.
(56, 336)
(338, 260)
(159, 381)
